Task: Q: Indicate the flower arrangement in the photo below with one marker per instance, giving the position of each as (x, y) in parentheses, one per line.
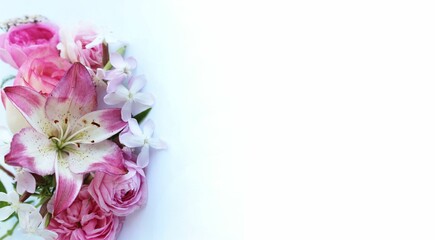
(78, 136)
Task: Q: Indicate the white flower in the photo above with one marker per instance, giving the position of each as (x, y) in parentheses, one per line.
(100, 75)
(15, 205)
(25, 181)
(134, 101)
(122, 70)
(137, 137)
(102, 37)
(30, 223)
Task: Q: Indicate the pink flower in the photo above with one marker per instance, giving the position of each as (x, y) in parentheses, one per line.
(73, 46)
(67, 137)
(42, 73)
(22, 41)
(84, 219)
(120, 194)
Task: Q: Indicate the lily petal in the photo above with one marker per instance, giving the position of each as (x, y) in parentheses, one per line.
(99, 125)
(33, 151)
(68, 186)
(5, 212)
(74, 96)
(31, 105)
(105, 156)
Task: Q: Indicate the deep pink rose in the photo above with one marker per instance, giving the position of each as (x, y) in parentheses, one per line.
(84, 219)
(120, 194)
(73, 43)
(42, 73)
(24, 40)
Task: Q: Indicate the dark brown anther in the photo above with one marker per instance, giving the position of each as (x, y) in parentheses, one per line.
(95, 124)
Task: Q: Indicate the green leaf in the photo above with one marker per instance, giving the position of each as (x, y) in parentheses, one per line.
(4, 204)
(141, 116)
(2, 187)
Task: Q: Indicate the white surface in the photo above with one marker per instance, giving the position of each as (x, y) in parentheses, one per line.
(194, 189)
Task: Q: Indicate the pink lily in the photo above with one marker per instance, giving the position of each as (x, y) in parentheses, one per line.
(67, 137)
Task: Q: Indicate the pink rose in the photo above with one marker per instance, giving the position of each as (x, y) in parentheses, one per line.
(42, 73)
(24, 40)
(84, 219)
(120, 194)
(73, 44)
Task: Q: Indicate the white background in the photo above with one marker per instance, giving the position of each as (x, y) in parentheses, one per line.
(285, 119)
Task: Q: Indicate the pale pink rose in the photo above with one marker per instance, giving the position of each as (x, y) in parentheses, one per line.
(42, 73)
(120, 194)
(84, 219)
(24, 40)
(73, 43)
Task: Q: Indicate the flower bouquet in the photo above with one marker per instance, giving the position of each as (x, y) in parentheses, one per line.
(78, 137)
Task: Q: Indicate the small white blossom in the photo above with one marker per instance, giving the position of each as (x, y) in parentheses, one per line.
(15, 205)
(102, 37)
(30, 224)
(136, 137)
(25, 181)
(123, 68)
(133, 99)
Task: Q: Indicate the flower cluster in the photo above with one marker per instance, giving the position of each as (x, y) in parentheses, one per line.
(78, 136)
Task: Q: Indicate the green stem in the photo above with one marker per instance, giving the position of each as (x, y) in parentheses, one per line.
(10, 231)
